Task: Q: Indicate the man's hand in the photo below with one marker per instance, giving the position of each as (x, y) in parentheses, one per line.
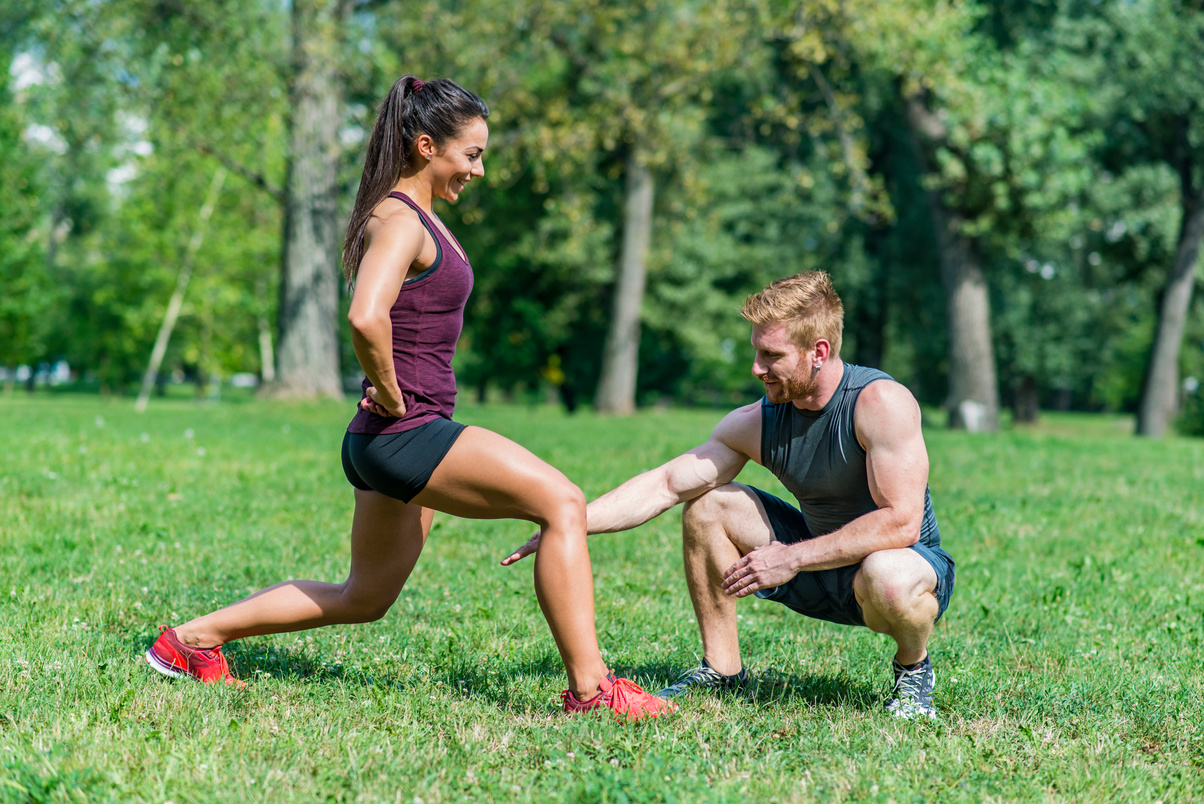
(764, 568)
(527, 549)
(376, 402)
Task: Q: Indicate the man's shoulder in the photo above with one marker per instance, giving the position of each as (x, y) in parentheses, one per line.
(883, 391)
(860, 377)
(746, 414)
(885, 406)
(740, 430)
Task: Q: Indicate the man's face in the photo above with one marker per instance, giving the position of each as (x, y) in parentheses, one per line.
(786, 370)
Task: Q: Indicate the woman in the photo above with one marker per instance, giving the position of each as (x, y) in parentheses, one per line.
(403, 454)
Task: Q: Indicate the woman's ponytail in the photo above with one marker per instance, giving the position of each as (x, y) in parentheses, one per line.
(440, 109)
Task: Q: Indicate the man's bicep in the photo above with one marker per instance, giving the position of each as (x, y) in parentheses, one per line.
(719, 460)
(896, 457)
(703, 468)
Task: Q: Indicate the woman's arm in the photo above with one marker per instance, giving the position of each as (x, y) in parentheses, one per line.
(392, 241)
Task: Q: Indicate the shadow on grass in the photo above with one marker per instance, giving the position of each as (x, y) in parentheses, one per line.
(839, 691)
(774, 688)
(494, 682)
(248, 660)
(465, 675)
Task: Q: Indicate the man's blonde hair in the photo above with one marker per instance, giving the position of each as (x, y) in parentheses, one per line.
(806, 303)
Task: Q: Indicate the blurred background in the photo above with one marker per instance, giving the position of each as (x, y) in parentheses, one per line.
(1009, 195)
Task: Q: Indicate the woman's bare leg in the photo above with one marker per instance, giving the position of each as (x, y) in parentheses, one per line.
(487, 476)
(387, 536)
(483, 476)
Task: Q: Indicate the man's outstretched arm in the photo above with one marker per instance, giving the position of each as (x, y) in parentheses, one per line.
(733, 443)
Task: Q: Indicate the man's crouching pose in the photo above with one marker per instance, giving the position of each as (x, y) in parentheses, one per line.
(864, 549)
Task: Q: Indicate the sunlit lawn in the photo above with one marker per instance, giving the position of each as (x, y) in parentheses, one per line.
(1068, 666)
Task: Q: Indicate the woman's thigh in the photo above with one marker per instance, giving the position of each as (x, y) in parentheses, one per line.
(488, 476)
(387, 536)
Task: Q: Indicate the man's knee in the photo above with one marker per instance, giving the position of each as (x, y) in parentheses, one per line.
(728, 516)
(709, 511)
(894, 584)
(697, 512)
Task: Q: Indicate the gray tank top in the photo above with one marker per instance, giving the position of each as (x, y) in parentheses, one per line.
(816, 455)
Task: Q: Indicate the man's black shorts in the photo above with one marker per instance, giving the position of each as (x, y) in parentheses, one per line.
(828, 594)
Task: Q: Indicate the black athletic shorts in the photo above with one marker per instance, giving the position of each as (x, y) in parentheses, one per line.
(398, 465)
(828, 594)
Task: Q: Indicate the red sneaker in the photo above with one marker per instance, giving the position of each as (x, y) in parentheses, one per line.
(171, 657)
(625, 698)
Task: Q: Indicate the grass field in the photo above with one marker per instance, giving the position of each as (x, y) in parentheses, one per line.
(1070, 666)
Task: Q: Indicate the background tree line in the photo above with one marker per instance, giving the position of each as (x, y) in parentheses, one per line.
(1008, 194)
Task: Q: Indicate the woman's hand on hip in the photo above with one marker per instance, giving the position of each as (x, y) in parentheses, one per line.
(382, 404)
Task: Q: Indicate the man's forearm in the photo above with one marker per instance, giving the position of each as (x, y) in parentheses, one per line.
(883, 529)
(640, 499)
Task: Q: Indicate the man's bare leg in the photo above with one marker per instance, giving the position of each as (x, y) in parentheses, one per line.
(896, 590)
(717, 529)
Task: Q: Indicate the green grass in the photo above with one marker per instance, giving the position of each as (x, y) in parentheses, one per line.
(1069, 663)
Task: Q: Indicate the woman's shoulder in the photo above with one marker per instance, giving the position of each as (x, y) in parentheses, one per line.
(393, 218)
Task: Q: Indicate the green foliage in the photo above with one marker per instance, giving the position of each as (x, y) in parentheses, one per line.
(1191, 421)
(28, 292)
(746, 226)
(777, 135)
(1067, 664)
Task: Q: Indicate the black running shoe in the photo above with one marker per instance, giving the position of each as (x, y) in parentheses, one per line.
(912, 694)
(704, 677)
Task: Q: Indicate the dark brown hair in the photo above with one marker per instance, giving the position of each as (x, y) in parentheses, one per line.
(440, 109)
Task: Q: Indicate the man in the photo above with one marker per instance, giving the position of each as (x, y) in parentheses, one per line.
(846, 441)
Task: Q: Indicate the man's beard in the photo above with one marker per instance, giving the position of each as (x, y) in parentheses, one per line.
(793, 389)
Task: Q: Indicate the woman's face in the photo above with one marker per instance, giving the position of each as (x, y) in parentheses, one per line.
(460, 161)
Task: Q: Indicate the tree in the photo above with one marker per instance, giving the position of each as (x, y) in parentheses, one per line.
(265, 100)
(27, 289)
(638, 76)
(308, 351)
(1154, 50)
(1003, 139)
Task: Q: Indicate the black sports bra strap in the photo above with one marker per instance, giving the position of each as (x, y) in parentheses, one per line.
(431, 229)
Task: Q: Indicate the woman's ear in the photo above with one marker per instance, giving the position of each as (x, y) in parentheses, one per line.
(424, 146)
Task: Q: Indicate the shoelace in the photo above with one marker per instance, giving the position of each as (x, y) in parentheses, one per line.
(911, 682)
(703, 675)
(621, 693)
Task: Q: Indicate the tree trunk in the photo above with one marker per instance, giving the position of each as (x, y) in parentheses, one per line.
(973, 389)
(267, 355)
(1025, 407)
(308, 353)
(620, 359)
(869, 317)
(973, 400)
(177, 296)
(1160, 396)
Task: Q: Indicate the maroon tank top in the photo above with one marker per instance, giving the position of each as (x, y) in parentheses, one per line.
(427, 318)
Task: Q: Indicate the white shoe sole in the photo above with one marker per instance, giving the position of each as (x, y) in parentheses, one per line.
(166, 669)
